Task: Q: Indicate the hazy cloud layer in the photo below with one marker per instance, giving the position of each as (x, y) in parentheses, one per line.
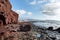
(52, 8)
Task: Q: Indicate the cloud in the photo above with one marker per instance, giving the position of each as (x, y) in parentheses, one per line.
(29, 13)
(49, 9)
(36, 2)
(20, 11)
(52, 8)
(33, 2)
(53, 1)
(23, 12)
(41, 1)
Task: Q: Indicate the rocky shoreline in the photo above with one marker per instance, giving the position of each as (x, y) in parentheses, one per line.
(12, 29)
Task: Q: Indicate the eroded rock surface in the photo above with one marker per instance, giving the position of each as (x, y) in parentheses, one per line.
(9, 27)
(7, 16)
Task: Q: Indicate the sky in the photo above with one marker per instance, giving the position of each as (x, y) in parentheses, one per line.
(37, 9)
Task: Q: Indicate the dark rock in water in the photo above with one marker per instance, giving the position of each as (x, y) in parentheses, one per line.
(58, 30)
(50, 28)
(53, 38)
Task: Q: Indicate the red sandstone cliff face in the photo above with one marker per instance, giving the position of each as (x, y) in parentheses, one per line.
(9, 27)
(7, 15)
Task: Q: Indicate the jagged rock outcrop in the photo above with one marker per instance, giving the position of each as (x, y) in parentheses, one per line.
(7, 16)
(9, 25)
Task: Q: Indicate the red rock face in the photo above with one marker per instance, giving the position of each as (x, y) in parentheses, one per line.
(7, 15)
(9, 26)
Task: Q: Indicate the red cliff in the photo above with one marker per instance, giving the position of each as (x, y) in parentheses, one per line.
(7, 15)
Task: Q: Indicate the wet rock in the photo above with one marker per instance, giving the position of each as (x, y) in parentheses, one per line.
(50, 28)
(53, 38)
(58, 30)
